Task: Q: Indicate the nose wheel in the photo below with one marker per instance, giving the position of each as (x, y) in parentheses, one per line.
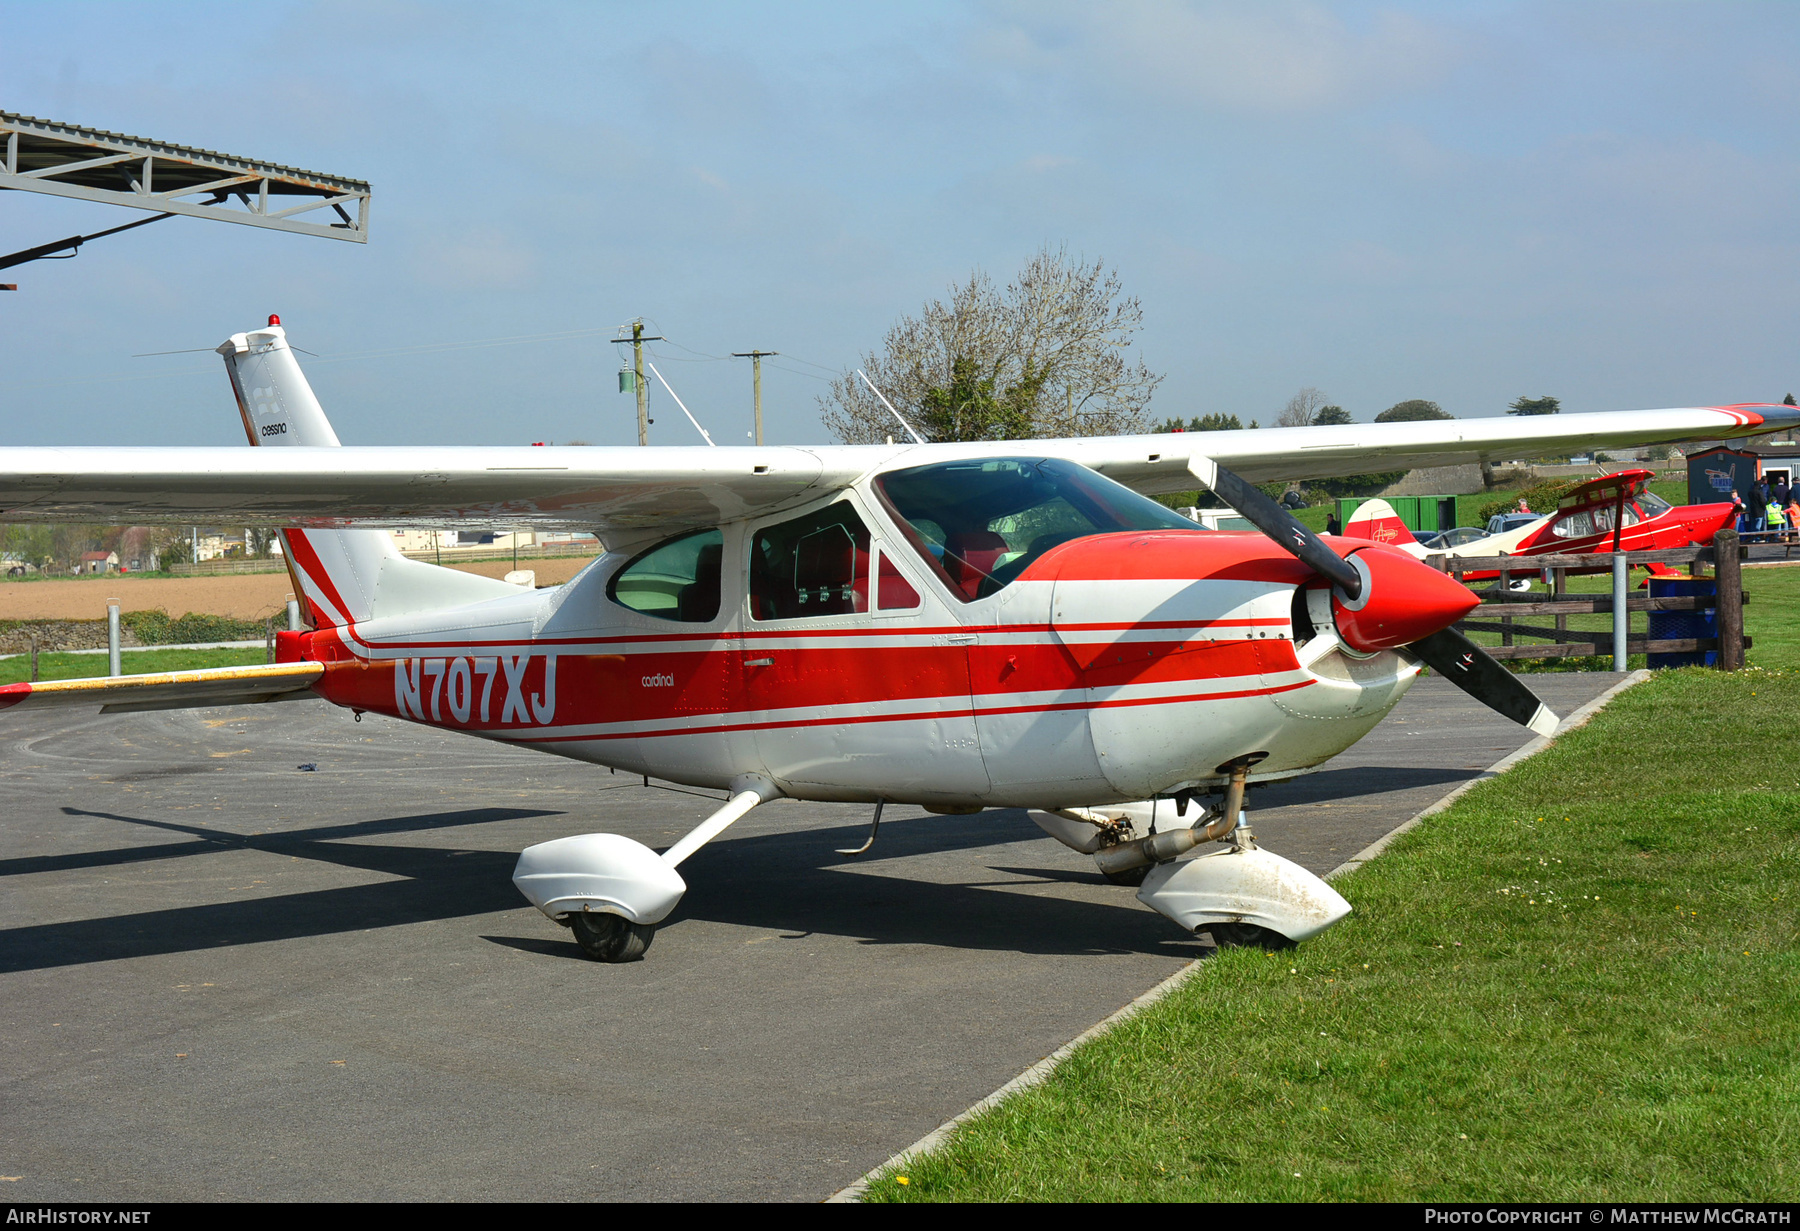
(611, 938)
(1246, 936)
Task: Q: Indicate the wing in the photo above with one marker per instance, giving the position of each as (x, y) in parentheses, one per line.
(1160, 463)
(601, 489)
(627, 491)
(169, 690)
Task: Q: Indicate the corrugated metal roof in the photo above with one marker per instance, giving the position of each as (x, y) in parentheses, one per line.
(55, 129)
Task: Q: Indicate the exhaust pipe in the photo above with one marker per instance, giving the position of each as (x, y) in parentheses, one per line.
(1162, 847)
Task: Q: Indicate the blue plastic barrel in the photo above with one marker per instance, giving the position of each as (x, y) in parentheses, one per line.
(1674, 625)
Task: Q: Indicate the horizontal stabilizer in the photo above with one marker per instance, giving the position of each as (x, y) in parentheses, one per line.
(169, 690)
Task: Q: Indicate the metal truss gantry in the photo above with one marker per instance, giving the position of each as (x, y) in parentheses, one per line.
(90, 165)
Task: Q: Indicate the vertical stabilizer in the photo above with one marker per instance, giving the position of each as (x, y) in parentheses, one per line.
(1377, 521)
(344, 576)
(276, 402)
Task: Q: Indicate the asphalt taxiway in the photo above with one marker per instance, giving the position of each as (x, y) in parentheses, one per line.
(223, 976)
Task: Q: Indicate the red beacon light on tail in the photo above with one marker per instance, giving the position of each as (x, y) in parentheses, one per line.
(273, 319)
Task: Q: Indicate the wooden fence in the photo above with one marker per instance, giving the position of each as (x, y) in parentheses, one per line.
(1502, 611)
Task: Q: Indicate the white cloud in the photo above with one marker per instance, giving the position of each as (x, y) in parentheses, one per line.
(480, 258)
(1269, 58)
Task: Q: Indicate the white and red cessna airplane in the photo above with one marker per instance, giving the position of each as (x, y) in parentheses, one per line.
(957, 626)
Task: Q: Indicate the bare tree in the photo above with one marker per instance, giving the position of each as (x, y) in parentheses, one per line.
(1301, 408)
(1043, 357)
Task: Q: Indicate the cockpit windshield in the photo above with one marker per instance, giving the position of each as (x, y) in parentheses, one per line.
(980, 523)
(1652, 505)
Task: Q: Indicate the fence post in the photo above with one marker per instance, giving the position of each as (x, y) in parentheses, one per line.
(112, 638)
(268, 639)
(1504, 589)
(1728, 576)
(1621, 625)
(34, 660)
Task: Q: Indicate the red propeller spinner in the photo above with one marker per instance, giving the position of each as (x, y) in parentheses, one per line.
(1402, 600)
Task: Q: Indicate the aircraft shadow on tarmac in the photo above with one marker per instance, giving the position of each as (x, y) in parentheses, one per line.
(789, 880)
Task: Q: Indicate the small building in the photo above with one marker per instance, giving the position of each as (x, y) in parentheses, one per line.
(1715, 472)
(424, 540)
(98, 562)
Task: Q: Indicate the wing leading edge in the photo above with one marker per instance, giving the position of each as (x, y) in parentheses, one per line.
(169, 690)
(626, 493)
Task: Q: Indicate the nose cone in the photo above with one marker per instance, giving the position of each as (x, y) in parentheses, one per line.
(1403, 600)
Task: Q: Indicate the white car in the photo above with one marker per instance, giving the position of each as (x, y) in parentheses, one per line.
(1217, 519)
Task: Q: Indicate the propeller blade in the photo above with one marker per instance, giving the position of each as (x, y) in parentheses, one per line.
(1476, 672)
(1279, 524)
(1446, 651)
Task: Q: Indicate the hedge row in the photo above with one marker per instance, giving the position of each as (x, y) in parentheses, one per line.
(160, 628)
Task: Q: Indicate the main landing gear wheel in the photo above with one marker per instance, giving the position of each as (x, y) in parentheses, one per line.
(1247, 936)
(611, 938)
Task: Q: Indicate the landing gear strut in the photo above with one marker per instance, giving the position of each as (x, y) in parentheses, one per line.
(612, 891)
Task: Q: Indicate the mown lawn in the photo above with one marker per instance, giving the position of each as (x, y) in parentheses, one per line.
(1581, 982)
(132, 662)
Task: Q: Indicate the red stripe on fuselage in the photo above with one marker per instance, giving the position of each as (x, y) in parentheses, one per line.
(982, 712)
(660, 686)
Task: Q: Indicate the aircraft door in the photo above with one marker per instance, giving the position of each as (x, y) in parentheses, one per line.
(855, 676)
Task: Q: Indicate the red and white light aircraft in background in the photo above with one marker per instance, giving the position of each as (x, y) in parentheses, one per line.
(957, 626)
(1614, 512)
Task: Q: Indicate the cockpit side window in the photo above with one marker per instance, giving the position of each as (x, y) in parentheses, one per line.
(980, 523)
(678, 579)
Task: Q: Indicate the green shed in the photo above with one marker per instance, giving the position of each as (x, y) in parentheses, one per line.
(1422, 514)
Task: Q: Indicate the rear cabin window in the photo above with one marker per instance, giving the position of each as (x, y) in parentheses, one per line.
(822, 565)
(678, 579)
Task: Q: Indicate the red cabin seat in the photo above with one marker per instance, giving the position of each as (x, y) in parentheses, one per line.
(969, 557)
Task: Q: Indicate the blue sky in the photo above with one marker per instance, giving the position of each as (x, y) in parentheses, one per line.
(1462, 202)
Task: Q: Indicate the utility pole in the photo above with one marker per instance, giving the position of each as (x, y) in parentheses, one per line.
(637, 363)
(756, 358)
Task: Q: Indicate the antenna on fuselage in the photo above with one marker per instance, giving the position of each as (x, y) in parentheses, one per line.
(917, 439)
(684, 410)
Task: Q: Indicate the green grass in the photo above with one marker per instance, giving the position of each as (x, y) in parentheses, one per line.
(1580, 982)
(132, 662)
(1772, 617)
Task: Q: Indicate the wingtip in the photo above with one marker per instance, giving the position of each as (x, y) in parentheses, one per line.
(1544, 722)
